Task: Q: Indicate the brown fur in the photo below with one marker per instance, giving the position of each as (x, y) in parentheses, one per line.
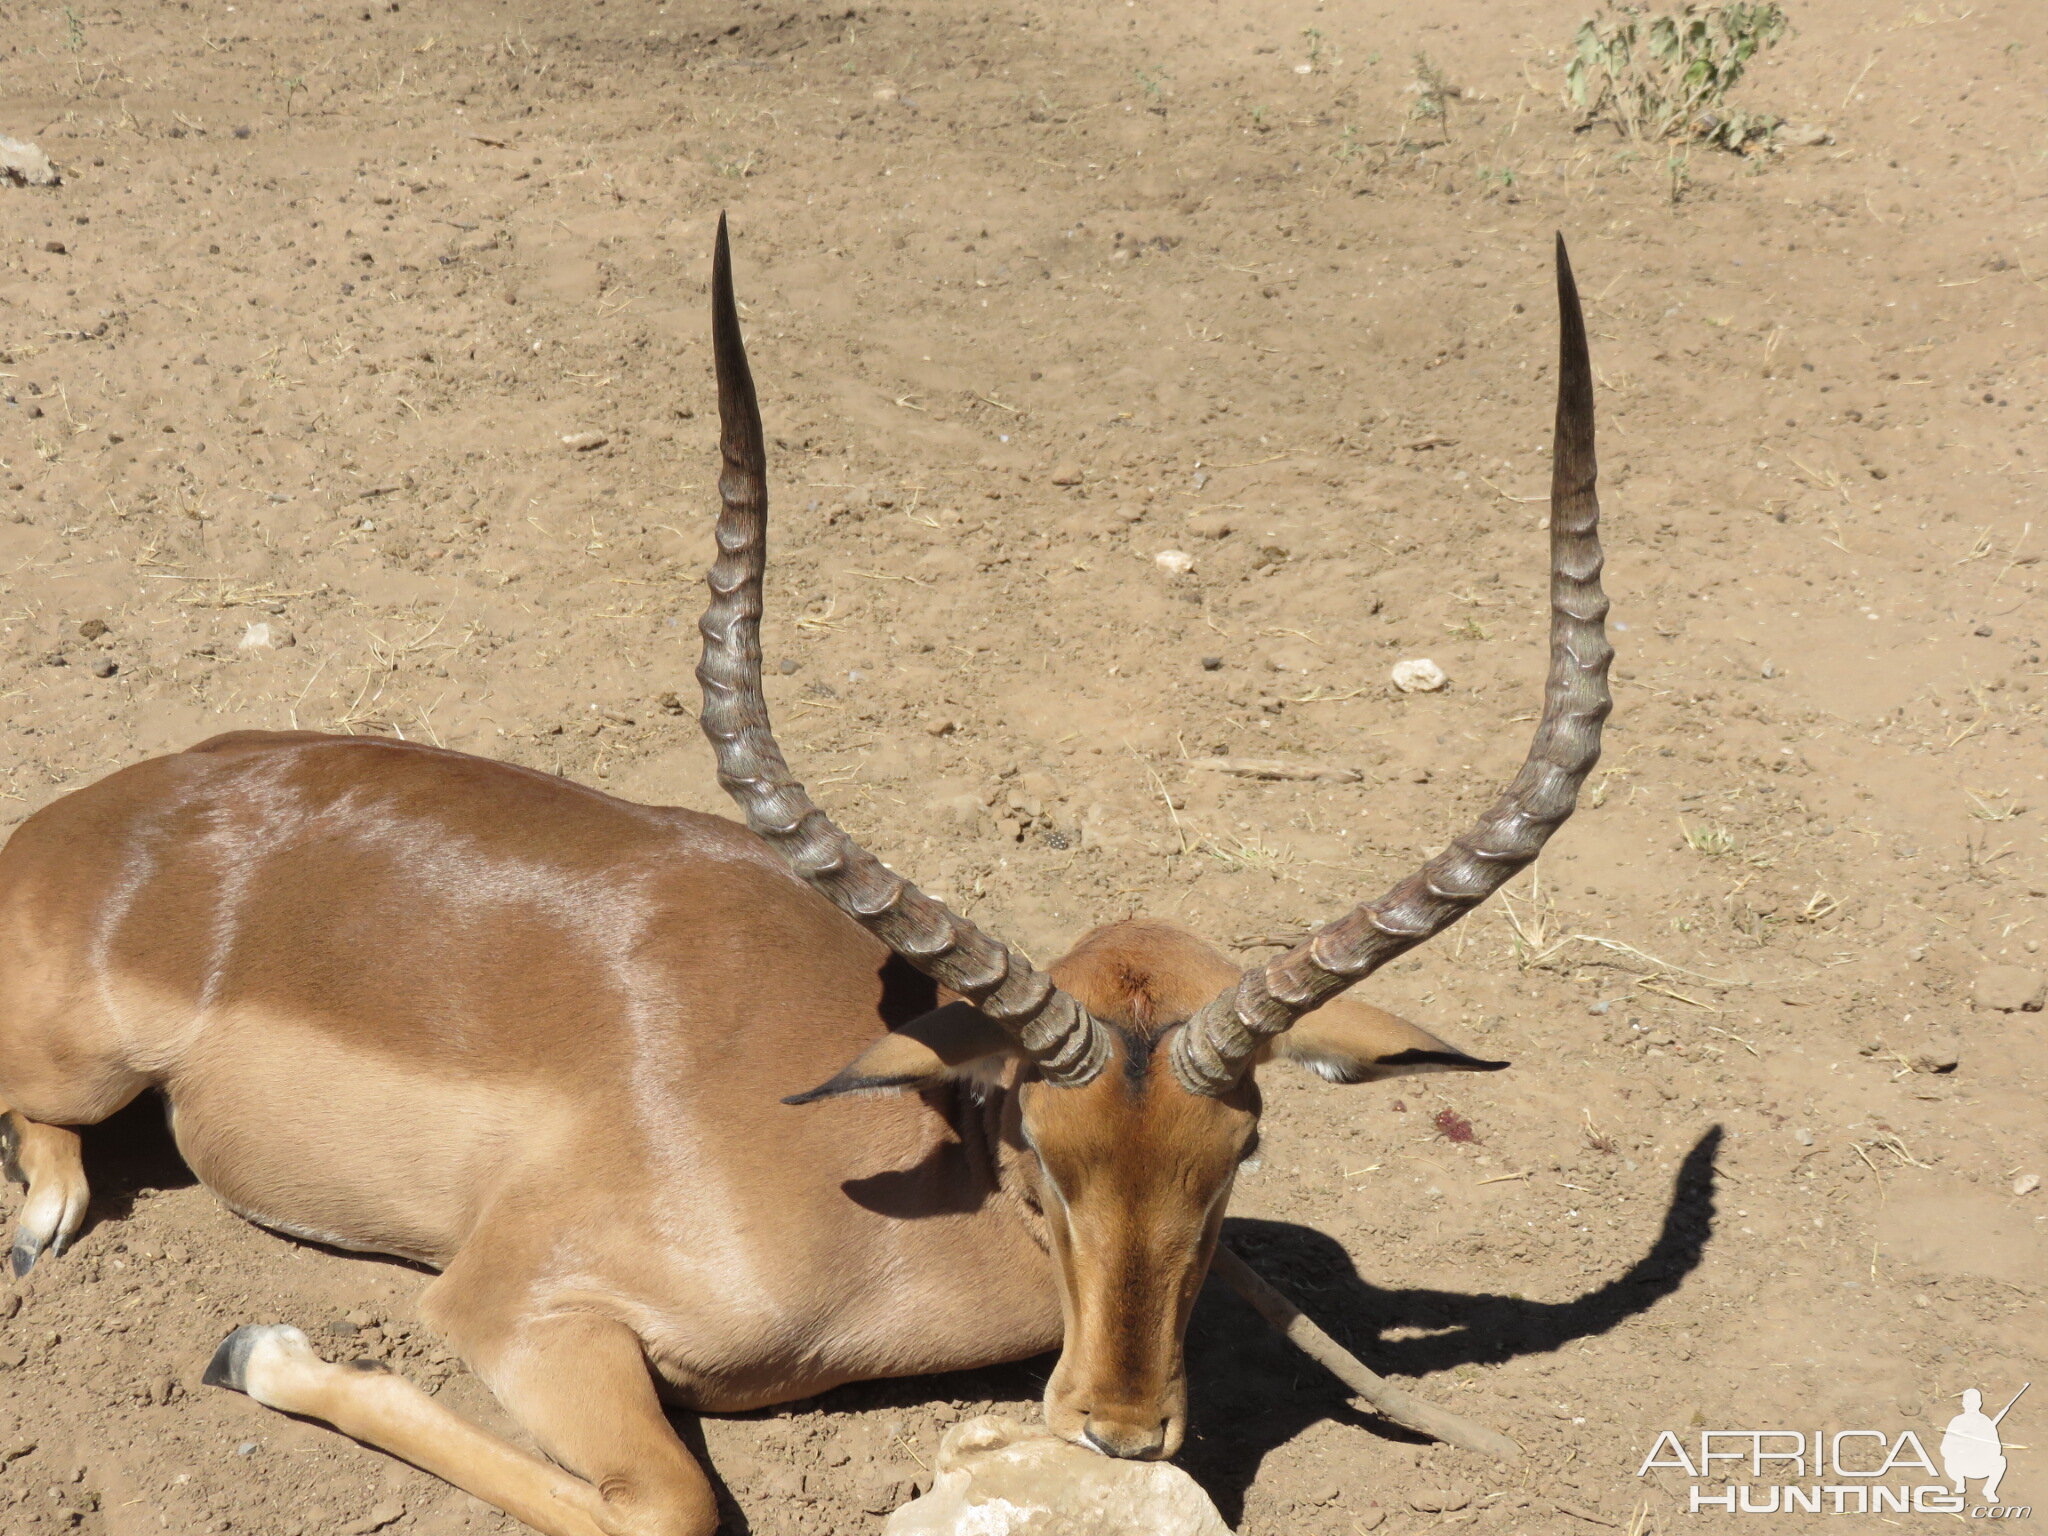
(405, 1000)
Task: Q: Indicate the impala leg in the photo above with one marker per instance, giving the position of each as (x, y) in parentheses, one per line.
(48, 1159)
(367, 1402)
(579, 1384)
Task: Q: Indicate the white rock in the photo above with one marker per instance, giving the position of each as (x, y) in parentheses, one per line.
(1419, 675)
(583, 442)
(265, 637)
(996, 1477)
(2026, 1183)
(24, 164)
(1175, 562)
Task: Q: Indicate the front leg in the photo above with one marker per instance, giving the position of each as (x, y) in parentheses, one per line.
(578, 1383)
(48, 1159)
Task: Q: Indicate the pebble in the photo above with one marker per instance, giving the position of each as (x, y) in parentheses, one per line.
(942, 728)
(1434, 1501)
(246, 1448)
(104, 666)
(2026, 1183)
(2010, 989)
(1068, 473)
(92, 629)
(1939, 1054)
(1419, 675)
(583, 442)
(384, 1512)
(1175, 562)
(1212, 663)
(263, 636)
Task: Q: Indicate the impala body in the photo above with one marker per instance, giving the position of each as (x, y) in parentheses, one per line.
(679, 1108)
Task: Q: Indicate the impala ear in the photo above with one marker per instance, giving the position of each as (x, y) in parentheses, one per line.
(1353, 1042)
(933, 1048)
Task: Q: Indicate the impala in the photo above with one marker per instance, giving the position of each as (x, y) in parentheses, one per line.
(679, 1109)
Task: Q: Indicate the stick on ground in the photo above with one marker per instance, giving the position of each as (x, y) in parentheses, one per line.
(1386, 1399)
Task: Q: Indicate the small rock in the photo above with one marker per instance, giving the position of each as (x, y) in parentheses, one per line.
(1039, 785)
(1802, 136)
(265, 636)
(996, 1477)
(942, 727)
(56, 248)
(1291, 659)
(1419, 675)
(92, 629)
(1175, 562)
(886, 92)
(1936, 1055)
(1435, 1501)
(583, 442)
(384, 1512)
(246, 1448)
(670, 704)
(104, 666)
(1212, 663)
(55, 659)
(1369, 1519)
(2026, 1183)
(1067, 473)
(25, 165)
(2010, 989)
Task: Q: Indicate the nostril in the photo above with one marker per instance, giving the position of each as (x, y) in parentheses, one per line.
(1094, 1444)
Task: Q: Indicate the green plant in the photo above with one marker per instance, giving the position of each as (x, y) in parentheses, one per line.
(1665, 76)
(1433, 93)
(74, 30)
(1313, 36)
(1151, 83)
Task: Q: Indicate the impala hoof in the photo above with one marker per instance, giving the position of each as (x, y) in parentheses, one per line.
(255, 1346)
(48, 1222)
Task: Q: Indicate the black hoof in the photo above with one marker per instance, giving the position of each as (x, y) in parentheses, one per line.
(23, 1258)
(229, 1366)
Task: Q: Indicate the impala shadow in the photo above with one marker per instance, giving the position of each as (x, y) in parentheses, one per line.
(1252, 1391)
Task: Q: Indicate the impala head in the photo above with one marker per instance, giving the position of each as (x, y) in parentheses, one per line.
(1133, 1063)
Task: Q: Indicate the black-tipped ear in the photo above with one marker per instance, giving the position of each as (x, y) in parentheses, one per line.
(1353, 1042)
(933, 1048)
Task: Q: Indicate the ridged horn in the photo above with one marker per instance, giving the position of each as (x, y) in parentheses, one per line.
(1210, 1052)
(1068, 1044)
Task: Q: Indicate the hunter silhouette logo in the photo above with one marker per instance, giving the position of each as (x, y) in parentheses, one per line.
(1844, 1471)
(1970, 1447)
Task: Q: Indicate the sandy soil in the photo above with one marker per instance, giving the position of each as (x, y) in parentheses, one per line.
(1035, 293)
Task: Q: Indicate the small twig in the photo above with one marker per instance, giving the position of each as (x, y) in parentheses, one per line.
(1387, 1399)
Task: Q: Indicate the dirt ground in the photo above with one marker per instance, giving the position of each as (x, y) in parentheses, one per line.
(1036, 292)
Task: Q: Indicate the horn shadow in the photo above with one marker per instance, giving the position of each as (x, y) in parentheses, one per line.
(1252, 1391)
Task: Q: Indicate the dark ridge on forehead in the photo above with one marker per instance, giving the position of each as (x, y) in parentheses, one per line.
(1137, 1044)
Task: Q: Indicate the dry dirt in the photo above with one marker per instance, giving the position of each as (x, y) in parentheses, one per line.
(1036, 292)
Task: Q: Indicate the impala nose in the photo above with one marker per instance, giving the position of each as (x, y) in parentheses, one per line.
(1127, 1439)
